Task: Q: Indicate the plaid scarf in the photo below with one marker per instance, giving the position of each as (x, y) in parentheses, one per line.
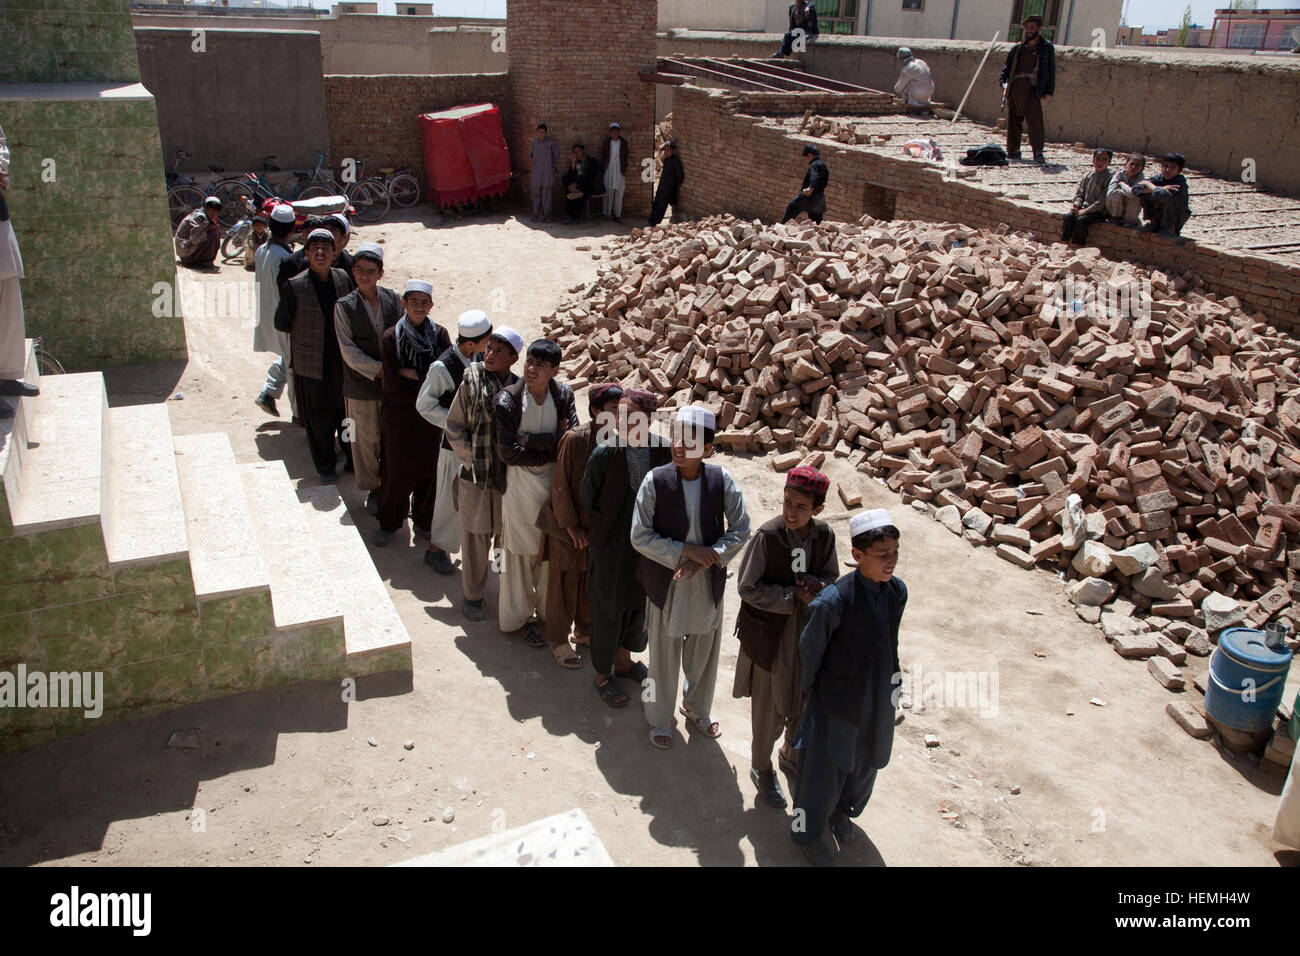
(481, 388)
(415, 345)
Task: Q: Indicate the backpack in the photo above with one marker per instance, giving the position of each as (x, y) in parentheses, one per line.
(990, 155)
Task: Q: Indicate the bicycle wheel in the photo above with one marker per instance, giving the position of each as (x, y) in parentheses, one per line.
(47, 363)
(236, 197)
(183, 200)
(232, 247)
(404, 189)
(370, 199)
(314, 192)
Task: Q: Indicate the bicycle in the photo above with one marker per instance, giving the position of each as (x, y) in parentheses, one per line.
(403, 188)
(368, 195)
(45, 362)
(185, 194)
(250, 189)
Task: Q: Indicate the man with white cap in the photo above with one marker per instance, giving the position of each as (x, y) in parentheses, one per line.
(13, 334)
(266, 296)
(433, 402)
(306, 312)
(198, 237)
(360, 318)
(915, 85)
(850, 669)
(338, 227)
(471, 432)
(613, 161)
(689, 522)
(410, 472)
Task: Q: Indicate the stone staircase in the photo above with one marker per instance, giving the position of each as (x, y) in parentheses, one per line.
(159, 562)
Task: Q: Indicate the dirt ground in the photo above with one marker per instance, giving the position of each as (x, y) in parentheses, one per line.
(503, 736)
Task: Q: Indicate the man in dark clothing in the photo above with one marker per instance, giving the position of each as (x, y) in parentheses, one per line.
(580, 181)
(803, 16)
(306, 312)
(849, 651)
(198, 237)
(296, 263)
(812, 197)
(1164, 198)
(670, 181)
(1028, 81)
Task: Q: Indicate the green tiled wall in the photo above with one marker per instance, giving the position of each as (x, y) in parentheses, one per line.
(97, 237)
(66, 41)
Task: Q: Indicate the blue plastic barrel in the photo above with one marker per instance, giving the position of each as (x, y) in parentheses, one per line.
(1247, 678)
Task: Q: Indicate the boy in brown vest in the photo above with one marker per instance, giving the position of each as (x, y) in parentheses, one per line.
(678, 528)
(787, 563)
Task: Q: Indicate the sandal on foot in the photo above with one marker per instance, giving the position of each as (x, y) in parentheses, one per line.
(609, 691)
(662, 739)
(566, 656)
(533, 635)
(705, 725)
(637, 672)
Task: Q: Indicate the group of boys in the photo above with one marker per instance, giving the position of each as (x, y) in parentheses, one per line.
(1120, 197)
(611, 506)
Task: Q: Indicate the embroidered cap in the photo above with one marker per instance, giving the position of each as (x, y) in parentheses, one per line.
(697, 415)
(370, 250)
(418, 285)
(606, 391)
(512, 338)
(807, 479)
(644, 400)
(473, 324)
(324, 234)
(283, 213)
(869, 521)
(342, 220)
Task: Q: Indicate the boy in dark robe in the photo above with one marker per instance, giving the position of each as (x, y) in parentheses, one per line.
(850, 670)
(787, 563)
(614, 472)
(1164, 198)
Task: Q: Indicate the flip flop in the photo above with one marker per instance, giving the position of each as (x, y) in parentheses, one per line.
(566, 656)
(702, 724)
(658, 734)
(637, 672)
(609, 690)
(533, 635)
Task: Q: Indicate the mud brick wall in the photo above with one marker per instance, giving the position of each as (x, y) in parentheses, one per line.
(575, 68)
(735, 163)
(373, 117)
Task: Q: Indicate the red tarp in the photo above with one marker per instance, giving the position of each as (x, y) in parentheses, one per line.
(465, 154)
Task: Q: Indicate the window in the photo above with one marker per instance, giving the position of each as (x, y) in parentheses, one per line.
(1247, 36)
(1049, 10)
(913, 4)
(837, 16)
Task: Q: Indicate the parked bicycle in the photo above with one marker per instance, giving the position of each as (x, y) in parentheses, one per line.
(403, 188)
(185, 194)
(250, 189)
(45, 362)
(368, 195)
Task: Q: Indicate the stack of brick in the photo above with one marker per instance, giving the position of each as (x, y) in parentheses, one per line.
(1151, 459)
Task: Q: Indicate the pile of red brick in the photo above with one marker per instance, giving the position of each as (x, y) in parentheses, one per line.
(1094, 417)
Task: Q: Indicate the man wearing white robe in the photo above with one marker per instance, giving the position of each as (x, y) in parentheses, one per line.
(614, 158)
(13, 333)
(266, 297)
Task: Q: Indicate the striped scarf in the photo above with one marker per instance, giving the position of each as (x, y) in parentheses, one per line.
(481, 388)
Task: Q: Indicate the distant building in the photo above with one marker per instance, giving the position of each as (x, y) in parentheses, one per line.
(1076, 22)
(414, 9)
(1255, 29)
(342, 8)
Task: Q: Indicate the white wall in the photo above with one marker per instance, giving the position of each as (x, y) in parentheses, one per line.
(758, 15)
(978, 19)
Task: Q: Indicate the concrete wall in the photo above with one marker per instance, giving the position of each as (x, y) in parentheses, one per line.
(736, 163)
(252, 93)
(578, 81)
(373, 117)
(1216, 109)
(351, 44)
(467, 49)
(66, 41)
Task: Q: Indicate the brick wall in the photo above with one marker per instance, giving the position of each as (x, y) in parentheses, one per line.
(736, 163)
(373, 117)
(578, 73)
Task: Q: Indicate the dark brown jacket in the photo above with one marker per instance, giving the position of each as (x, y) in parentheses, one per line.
(622, 154)
(564, 509)
(531, 450)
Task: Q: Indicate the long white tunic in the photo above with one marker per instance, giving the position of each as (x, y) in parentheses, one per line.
(11, 261)
(614, 180)
(528, 487)
(266, 297)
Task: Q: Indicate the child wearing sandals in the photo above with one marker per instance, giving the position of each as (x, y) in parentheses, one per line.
(689, 522)
(787, 563)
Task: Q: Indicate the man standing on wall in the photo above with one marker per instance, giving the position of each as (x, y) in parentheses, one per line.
(13, 335)
(803, 17)
(613, 160)
(812, 196)
(1028, 81)
(543, 155)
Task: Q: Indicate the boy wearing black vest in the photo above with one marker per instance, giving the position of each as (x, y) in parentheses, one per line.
(787, 563)
(850, 669)
(434, 401)
(678, 528)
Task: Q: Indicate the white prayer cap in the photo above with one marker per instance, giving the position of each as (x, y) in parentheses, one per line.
(342, 220)
(506, 333)
(320, 234)
(869, 521)
(473, 324)
(697, 415)
(212, 201)
(370, 250)
(418, 285)
(283, 213)
(614, 126)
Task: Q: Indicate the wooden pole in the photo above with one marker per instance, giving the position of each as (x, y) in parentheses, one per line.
(962, 104)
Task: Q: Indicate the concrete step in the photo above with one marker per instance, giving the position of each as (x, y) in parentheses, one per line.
(144, 522)
(13, 444)
(225, 559)
(300, 594)
(61, 462)
(375, 637)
